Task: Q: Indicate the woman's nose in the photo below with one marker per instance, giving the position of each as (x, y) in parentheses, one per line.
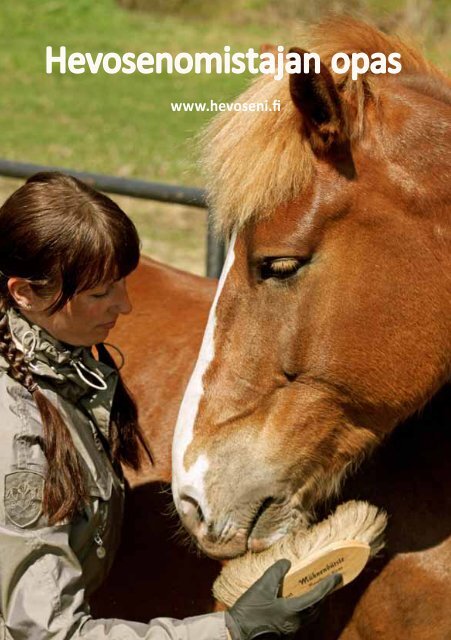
(122, 302)
(126, 305)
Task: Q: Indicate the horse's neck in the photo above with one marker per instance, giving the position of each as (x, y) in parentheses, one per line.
(410, 476)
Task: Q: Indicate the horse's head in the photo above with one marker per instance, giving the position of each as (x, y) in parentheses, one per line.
(331, 322)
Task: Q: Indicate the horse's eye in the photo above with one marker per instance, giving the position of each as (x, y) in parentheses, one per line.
(280, 268)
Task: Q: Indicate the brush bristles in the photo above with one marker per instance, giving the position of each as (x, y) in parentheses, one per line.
(351, 521)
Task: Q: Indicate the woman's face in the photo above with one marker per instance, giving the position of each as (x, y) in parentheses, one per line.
(87, 318)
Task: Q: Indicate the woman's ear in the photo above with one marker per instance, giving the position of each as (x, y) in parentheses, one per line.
(22, 293)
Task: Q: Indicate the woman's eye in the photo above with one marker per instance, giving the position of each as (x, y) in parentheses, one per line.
(109, 288)
(280, 268)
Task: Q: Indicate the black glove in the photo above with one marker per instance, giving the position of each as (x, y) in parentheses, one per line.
(260, 612)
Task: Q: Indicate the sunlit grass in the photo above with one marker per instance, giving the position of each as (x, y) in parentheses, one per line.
(109, 123)
(123, 124)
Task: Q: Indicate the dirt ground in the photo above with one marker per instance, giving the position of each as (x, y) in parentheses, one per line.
(170, 233)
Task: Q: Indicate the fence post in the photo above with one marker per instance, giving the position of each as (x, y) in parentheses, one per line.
(215, 250)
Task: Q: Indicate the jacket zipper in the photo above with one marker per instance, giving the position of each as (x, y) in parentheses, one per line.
(100, 551)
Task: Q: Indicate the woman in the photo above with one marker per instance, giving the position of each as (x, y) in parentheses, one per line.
(68, 422)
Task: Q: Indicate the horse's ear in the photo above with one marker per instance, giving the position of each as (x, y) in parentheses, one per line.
(316, 98)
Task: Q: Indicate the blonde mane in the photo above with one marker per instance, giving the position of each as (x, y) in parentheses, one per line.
(254, 161)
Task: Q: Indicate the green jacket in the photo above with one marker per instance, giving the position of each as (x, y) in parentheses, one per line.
(48, 572)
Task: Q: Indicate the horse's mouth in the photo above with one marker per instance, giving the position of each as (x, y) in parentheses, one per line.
(261, 532)
(269, 520)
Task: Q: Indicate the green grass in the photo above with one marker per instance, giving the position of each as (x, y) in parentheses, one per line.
(113, 124)
(123, 124)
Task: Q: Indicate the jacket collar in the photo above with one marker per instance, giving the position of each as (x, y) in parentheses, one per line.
(56, 365)
(47, 350)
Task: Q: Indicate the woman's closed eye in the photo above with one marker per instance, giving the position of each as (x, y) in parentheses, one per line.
(104, 291)
(101, 292)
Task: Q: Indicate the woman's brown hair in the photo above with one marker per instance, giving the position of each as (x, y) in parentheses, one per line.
(64, 237)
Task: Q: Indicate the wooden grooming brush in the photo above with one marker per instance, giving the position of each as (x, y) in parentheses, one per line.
(342, 543)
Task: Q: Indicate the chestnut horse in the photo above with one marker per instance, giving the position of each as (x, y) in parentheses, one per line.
(330, 327)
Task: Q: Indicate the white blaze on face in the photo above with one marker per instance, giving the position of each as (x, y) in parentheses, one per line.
(191, 481)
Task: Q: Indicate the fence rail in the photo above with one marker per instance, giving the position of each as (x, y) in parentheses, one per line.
(188, 196)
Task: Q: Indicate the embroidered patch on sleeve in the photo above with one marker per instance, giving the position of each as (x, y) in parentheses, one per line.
(24, 492)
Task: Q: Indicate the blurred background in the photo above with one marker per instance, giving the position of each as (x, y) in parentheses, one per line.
(122, 124)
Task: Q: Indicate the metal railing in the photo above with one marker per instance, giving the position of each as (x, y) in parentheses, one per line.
(188, 196)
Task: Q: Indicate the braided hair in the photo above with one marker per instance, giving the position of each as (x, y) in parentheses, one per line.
(59, 234)
(18, 368)
(64, 488)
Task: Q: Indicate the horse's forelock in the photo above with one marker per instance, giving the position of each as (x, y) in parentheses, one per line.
(254, 161)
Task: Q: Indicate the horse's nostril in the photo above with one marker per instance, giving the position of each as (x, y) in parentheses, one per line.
(191, 509)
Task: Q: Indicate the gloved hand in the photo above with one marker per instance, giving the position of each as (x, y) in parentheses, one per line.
(260, 612)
